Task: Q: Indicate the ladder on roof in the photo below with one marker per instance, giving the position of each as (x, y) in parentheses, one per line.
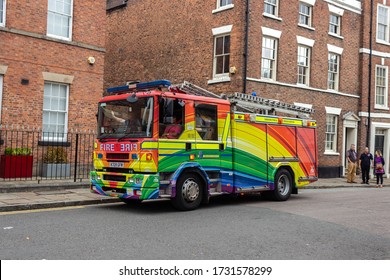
(249, 103)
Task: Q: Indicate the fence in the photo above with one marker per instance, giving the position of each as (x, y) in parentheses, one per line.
(36, 155)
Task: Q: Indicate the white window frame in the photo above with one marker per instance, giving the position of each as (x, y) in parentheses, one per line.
(336, 80)
(386, 40)
(215, 56)
(333, 134)
(310, 15)
(220, 5)
(305, 66)
(70, 25)
(385, 88)
(51, 136)
(218, 32)
(1, 95)
(222, 8)
(274, 59)
(3, 15)
(276, 5)
(336, 25)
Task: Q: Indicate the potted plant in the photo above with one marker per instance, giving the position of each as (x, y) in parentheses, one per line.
(55, 163)
(16, 163)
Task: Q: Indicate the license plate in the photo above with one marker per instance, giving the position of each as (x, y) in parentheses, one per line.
(117, 164)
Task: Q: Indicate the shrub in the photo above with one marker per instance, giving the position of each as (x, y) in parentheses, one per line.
(17, 151)
(55, 155)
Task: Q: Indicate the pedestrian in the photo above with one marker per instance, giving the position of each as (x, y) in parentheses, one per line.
(379, 169)
(365, 164)
(352, 162)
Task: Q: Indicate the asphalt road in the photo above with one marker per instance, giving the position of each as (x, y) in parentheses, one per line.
(350, 223)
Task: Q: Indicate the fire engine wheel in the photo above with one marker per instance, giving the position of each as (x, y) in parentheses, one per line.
(283, 185)
(189, 190)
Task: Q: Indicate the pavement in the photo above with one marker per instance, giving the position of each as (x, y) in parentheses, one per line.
(29, 195)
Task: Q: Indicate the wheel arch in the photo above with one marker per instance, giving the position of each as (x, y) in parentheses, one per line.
(196, 168)
(289, 170)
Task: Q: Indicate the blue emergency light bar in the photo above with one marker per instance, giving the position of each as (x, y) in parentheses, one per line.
(140, 86)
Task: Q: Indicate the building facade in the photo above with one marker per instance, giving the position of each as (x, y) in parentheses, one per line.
(51, 64)
(311, 52)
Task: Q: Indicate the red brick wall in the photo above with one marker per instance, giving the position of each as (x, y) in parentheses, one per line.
(27, 57)
(151, 40)
(160, 39)
(376, 60)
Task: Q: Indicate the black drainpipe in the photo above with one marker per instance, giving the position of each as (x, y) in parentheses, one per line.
(369, 80)
(246, 46)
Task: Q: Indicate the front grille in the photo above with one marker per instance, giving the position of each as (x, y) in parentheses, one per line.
(115, 178)
(114, 190)
(119, 170)
(117, 156)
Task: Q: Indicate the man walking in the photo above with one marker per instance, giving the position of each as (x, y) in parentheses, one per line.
(352, 161)
(365, 163)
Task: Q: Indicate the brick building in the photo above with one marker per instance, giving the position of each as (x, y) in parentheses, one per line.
(311, 52)
(51, 64)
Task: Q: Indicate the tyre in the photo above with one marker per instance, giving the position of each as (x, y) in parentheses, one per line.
(283, 185)
(189, 191)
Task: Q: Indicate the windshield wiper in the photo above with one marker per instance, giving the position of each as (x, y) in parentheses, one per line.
(127, 135)
(103, 137)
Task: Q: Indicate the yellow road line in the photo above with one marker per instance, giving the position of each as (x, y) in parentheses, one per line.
(40, 210)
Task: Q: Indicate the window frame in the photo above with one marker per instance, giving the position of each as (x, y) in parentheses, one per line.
(274, 60)
(216, 75)
(385, 87)
(219, 6)
(306, 67)
(386, 40)
(3, 14)
(49, 136)
(333, 134)
(310, 15)
(70, 24)
(337, 26)
(336, 81)
(276, 8)
(212, 128)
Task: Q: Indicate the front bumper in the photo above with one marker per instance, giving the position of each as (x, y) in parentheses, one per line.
(125, 186)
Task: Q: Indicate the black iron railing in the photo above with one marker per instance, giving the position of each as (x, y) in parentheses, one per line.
(36, 155)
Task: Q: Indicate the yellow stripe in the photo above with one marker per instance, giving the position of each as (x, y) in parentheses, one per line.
(205, 146)
(149, 145)
(210, 156)
(172, 145)
(40, 210)
(226, 128)
(266, 119)
(292, 122)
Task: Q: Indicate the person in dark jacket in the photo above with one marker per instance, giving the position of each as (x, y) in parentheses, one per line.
(379, 169)
(365, 164)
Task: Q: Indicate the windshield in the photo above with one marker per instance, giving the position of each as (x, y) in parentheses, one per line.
(124, 119)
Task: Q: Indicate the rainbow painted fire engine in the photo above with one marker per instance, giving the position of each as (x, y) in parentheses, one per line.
(181, 142)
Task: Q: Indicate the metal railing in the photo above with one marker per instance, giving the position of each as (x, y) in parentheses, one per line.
(30, 154)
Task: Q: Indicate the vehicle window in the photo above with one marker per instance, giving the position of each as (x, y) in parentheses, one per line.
(171, 118)
(206, 121)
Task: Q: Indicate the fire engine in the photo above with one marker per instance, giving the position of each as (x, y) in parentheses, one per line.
(184, 143)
